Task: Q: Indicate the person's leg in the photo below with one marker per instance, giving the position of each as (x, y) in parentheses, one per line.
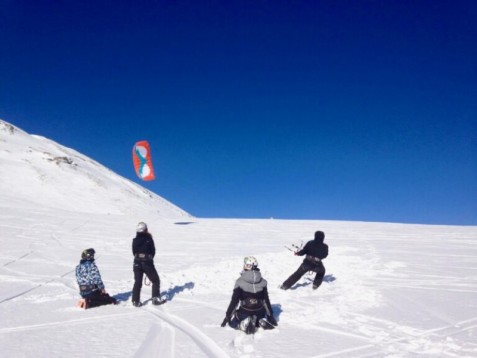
(138, 275)
(252, 325)
(262, 320)
(100, 299)
(94, 300)
(320, 274)
(248, 324)
(290, 281)
(241, 314)
(107, 299)
(235, 321)
(245, 321)
(153, 276)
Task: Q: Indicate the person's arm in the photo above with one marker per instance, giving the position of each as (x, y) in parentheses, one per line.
(96, 276)
(153, 247)
(304, 250)
(233, 302)
(232, 305)
(79, 275)
(268, 307)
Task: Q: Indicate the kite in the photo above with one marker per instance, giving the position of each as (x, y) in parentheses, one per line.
(142, 160)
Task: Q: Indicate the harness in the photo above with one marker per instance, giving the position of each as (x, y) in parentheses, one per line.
(313, 259)
(87, 288)
(143, 257)
(251, 304)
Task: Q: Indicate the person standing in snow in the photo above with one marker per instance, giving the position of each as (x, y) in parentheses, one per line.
(250, 294)
(91, 285)
(144, 251)
(315, 251)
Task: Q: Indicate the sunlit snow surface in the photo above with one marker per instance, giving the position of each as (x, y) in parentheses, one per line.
(390, 290)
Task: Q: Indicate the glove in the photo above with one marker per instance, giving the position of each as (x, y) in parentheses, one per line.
(272, 320)
(225, 321)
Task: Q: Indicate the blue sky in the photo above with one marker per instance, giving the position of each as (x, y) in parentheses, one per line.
(341, 110)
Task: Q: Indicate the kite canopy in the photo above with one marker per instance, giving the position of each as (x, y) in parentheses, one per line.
(142, 160)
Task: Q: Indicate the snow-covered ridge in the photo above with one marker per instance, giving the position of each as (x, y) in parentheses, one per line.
(39, 170)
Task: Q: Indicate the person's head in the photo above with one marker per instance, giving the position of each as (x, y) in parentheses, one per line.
(141, 227)
(250, 263)
(88, 255)
(319, 236)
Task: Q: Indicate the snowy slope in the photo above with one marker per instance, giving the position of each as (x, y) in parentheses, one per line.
(31, 166)
(391, 290)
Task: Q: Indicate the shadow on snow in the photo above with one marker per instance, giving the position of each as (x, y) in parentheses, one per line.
(170, 293)
(309, 281)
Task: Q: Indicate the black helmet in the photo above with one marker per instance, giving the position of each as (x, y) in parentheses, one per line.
(88, 254)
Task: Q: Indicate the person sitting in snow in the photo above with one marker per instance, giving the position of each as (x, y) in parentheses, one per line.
(144, 250)
(250, 294)
(90, 283)
(315, 251)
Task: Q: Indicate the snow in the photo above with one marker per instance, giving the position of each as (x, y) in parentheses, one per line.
(390, 290)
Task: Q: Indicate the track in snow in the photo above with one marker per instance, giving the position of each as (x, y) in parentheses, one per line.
(205, 343)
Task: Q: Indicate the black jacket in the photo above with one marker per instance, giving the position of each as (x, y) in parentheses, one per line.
(143, 244)
(314, 248)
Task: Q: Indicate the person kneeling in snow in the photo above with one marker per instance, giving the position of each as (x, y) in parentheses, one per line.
(251, 296)
(90, 284)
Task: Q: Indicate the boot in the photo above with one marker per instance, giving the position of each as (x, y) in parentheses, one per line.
(156, 301)
(248, 325)
(252, 326)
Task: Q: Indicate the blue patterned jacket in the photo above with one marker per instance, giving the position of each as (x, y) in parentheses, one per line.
(88, 278)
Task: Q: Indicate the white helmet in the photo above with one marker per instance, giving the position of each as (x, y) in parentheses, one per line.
(249, 263)
(141, 227)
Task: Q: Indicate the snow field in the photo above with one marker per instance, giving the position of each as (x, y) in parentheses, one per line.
(369, 304)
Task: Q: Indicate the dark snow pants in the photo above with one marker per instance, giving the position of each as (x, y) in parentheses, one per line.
(97, 298)
(140, 268)
(242, 314)
(303, 269)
